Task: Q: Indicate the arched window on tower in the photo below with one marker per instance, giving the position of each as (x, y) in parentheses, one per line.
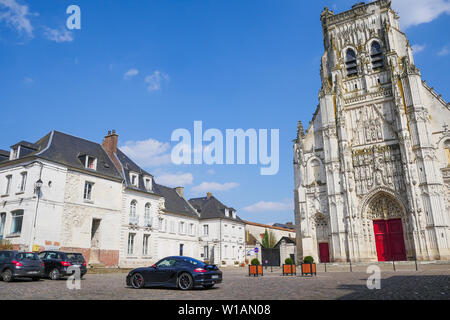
(376, 54)
(350, 63)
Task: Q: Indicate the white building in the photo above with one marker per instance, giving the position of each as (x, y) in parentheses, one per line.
(372, 172)
(222, 232)
(67, 193)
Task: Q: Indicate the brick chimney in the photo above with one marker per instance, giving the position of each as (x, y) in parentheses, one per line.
(208, 195)
(110, 145)
(180, 191)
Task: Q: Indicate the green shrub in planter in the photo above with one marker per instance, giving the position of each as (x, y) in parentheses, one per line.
(255, 262)
(308, 259)
(288, 261)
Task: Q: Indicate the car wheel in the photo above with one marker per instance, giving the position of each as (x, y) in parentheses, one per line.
(7, 275)
(208, 286)
(137, 281)
(185, 281)
(54, 274)
(36, 279)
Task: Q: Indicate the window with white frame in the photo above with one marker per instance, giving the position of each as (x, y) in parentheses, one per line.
(8, 184)
(130, 249)
(2, 224)
(134, 179)
(16, 222)
(206, 252)
(148, 184)
(191, 229)
(145, 245)
(133, 215)
(181, 228)
(206, 230)
(23, 181)
(91, 163)
(172, 226)
(147, 216)
(87, 195)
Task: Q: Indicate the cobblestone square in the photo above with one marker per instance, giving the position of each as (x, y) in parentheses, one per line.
(431, 282)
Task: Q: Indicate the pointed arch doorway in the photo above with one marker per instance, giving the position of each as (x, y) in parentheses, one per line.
(386, 215)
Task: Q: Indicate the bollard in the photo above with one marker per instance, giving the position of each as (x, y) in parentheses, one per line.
(325, 267)
(415, 260)
(393, 264)
(351, 266)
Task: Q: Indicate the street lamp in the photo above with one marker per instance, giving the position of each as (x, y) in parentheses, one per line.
(38, 186)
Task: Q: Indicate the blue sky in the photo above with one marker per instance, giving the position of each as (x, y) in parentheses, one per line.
(146, 68)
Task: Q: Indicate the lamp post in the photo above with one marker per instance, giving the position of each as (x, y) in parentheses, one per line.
(37, 190)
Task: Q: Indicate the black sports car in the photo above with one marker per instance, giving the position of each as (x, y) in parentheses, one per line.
(182, 272)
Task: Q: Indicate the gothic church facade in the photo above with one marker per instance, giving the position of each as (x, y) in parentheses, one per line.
(372, 170)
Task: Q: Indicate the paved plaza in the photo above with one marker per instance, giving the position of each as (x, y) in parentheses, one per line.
(432, 281)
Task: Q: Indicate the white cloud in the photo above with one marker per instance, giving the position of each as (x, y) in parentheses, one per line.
(155, 80)
(444, 51)
(175, 179)
(418, 48)
(264, 206)
(147, 153)
(130, 73)
(61, 35)
(420, 11)
(214, 186)
(15, 16)
(28, 80)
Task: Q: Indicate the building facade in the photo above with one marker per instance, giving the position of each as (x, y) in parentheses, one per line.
(70, 194)
(372, 169)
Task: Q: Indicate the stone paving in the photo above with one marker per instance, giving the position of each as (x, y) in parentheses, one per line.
(430, 282)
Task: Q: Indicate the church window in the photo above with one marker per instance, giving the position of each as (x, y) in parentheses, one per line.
(376, 54)
(350, 63)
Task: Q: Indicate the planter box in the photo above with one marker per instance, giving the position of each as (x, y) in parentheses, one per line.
(255, 270)
(308, 269)
(289, 269)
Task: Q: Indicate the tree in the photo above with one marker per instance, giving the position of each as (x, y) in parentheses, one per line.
(268, 240)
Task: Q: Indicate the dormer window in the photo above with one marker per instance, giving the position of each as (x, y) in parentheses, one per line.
(376, 54)
(91, 163)
(88, 162)
(233, 213)
(134, 180)
(14, 153)
(148, 183)
(350, 63)
(227, 212)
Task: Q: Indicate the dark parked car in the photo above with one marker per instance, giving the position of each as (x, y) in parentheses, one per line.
(14, 264)
(182, 272)
(57, 264)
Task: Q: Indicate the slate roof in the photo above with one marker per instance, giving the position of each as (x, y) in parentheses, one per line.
(66, 149)
(211, 208)
(174, 203)
(284, 225)
(128, 166)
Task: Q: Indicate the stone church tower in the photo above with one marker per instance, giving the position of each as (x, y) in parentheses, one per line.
(372, 170)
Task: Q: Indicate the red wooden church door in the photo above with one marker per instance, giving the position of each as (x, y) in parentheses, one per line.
(324, 252)
(389, 240)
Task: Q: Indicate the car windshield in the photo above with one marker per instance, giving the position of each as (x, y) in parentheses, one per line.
(195, 262)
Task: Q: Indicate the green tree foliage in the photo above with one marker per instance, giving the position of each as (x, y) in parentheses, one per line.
(269, 240)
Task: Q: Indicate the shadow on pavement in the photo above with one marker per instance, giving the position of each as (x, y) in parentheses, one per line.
(423, 287)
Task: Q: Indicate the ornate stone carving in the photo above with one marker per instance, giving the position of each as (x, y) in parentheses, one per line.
(383, 207)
